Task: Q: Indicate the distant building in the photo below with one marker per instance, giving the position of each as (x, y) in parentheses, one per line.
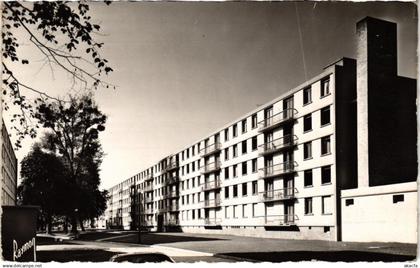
(298, 165)
(8, 170)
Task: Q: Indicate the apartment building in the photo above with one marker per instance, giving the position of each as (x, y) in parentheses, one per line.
(8, 170)
(279, 171)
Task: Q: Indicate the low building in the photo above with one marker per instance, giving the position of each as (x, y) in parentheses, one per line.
(287, 168)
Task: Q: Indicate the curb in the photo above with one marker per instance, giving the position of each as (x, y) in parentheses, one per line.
(234, 258)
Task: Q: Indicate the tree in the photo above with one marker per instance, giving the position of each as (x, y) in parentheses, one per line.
(64, 33)
(73, 135)
(43, 184)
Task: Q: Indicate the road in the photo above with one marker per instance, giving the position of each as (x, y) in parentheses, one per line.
(185, 247)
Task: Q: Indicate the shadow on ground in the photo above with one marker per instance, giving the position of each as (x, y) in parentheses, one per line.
(95, 255)
(101, 235)
(152, 239)
(51, 241)
(332, 256)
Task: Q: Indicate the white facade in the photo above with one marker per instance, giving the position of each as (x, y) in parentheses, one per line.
(381, 213)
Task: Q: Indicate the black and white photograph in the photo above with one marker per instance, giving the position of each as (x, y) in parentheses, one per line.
(231, 132)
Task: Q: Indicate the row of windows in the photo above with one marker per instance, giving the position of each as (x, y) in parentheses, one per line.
(325, 176)
(325, 119)
(326, 205)
(308, 180)
(325, 91)
(325, 147)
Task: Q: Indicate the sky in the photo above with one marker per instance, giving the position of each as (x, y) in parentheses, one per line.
(185, 69)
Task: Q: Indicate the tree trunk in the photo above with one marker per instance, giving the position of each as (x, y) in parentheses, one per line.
(66, 227)
(92, 223)
(49, 227)
(73, 224)
(81, 224)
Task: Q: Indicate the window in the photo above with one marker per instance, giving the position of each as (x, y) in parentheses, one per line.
(254, 187)
(244, 211)
(326, 229)
(235, 211)
(308, 206)
(235, 130)
(325, 87)
(244, 126)
(235, 190)
(188, 153)
(244, 189)
(254, 121)
(307, 95)
(193, 166)
(326, 205)
(254, 143)
(235, 171)
(326, 174)
(349, 202)
(308, 178)
(226, 173)
(254, 165)
(227, 212)
(235, 150)
(325, 145)
(307, 150)
(244, 168)
(307, 123)
(193, 150)
(193, 182)
(254, 210)
(226, 192)
(244, 147)
(397, 198)
(198, 147)
(226, 134)
(325, 116)
(226, 153)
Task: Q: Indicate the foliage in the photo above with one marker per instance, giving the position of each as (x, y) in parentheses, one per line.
(44, 183)
(73, 137)
(64, 33)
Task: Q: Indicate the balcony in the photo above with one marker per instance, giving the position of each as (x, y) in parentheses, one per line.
(281, 220)
(173, 208)
(212, 221)
(172, 180)
(171, 194)
(278, 195)
(149, 211)
(277, 145)
(171, 165)
(212, 203)
(172, 222)
(276, 120)
(211, 149)
(279, 169)
(148, 188)
(148, 177)
(211, 167)
(147, 223)
(211, 185)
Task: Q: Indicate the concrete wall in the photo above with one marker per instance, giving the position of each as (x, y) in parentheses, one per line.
(375, 217)
(310, 233)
